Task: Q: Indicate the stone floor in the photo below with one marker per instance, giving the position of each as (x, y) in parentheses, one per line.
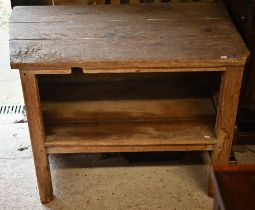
(95, 181)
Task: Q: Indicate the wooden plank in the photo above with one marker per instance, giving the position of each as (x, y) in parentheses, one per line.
(130, 134)
(110, 87)
(65, 2)
(128, 53)
(79, 2)
(226, 116)
(176, 35)
(138, 29)
(180, 11)
(130, 110)
(36, 129)
(52, 72)
(123, 70)
(118, 135)
(90, 149)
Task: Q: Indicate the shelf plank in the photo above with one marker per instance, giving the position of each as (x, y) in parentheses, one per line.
(129, 110)
(180, 11)
(102, 87)
(129, 137)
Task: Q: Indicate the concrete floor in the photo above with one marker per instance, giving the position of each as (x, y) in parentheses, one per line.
(103, 181)
(100, 181)
(94, 181)
(10, 87)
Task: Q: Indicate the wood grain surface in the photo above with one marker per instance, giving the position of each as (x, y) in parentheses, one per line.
(37, 135)
(82, 113)
(123, 37)
(129, 137)
(226, 117)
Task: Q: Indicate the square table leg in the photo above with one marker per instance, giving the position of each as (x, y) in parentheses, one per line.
(37, 135)
(226, 116)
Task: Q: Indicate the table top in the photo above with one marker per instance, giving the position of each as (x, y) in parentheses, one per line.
(234, 186)
(121, 37)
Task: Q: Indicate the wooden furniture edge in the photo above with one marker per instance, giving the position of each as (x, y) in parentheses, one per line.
(232, 168)
(124, 67)
(37, 135)
(226, 117)
(91, 149)
(218, 202)
(123, 71)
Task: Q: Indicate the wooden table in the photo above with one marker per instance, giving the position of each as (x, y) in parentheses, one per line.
(234, 187)
(127, 78)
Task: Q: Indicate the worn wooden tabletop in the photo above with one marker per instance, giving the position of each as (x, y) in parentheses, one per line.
(177, 35)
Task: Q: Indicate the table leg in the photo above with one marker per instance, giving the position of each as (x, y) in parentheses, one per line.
(226, 116)
(37, 135)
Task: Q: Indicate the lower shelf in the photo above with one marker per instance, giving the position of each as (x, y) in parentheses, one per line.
(129, 137)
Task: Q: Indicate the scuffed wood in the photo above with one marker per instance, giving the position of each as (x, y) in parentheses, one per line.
(121, 56)
(180, 11)
(91, 149)
(37, 135)
(226, 116)
(79, 87)
(130, 110)
(52, 72)
(147, 29)
(125, 39)
(172, 36)
(126, 136)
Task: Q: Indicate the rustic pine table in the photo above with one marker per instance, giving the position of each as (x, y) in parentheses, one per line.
(127, 78)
